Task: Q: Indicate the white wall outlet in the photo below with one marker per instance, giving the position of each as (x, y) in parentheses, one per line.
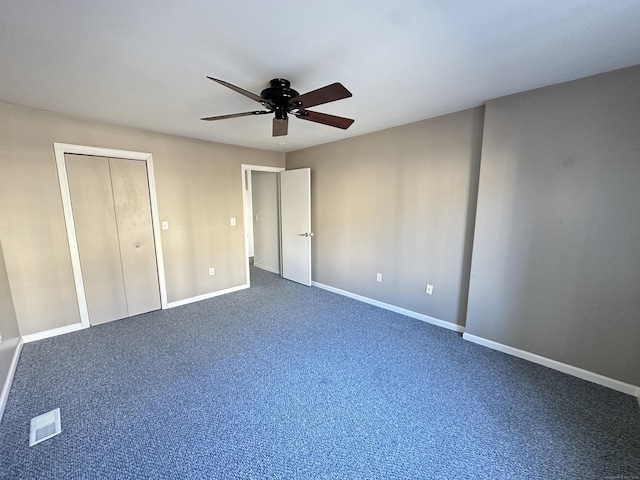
(378, 277)
(429, 290)
(165, 225)
(233, 221)
(212, 271)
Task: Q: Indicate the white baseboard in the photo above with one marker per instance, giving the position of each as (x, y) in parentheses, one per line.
(264, 267)
(392, 308)
(52, 333)
(554, 364)
(78, 326)
(186, 301)
(4, 394)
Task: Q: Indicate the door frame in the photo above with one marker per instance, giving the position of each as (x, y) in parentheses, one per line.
(246, 169)
(60, 150)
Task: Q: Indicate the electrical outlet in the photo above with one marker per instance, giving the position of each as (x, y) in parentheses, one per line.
(429, 290)
(378, 277)
(212, 271)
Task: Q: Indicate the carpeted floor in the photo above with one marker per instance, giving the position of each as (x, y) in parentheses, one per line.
(286, 381)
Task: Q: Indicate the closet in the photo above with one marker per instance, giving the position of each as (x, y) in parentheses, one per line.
(114, 232)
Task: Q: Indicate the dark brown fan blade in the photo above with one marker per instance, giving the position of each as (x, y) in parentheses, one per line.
(234, 115)
(280, 126)
(330, 93)
(242, 91)
(326, 119)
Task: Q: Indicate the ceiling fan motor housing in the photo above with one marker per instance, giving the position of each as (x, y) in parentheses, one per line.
(278, 95)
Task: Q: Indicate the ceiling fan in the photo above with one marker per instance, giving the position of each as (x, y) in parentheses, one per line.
(281, 99)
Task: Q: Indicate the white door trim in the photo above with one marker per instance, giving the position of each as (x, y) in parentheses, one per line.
(60, 150)
(245, 205)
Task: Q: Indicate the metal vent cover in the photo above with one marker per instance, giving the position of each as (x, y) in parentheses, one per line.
(44, 427)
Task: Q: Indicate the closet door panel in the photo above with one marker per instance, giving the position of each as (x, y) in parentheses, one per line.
(135, 231)
(97, 236)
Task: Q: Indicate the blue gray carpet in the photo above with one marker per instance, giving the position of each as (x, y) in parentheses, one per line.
(286, 381)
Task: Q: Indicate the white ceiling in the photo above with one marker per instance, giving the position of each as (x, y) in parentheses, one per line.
(143, 63)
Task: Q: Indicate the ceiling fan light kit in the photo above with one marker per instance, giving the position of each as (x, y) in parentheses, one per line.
(281, 100)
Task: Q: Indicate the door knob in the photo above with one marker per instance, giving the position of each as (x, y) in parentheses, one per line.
(308, 234)
(137, 245)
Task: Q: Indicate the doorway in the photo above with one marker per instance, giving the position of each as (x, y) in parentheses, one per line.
(261, 217)
(145, 252)
(287, 196)
(265, 221)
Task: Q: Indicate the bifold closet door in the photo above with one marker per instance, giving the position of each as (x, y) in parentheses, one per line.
(112, 216)
(135, 232)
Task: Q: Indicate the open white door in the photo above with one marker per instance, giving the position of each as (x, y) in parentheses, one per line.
(295, 214)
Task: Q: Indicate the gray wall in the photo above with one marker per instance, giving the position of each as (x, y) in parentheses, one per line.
(265, 220)
(398, 202)
(198, 189)
(556, 265)
(9, 333)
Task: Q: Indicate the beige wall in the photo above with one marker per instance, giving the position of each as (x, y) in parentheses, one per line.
(8, 322)
(398, 202)
(198, 191)
(9, 334)
(556, 263)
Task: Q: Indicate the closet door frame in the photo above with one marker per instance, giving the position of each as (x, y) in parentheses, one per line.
(60, 150)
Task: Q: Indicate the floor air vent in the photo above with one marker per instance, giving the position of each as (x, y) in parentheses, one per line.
(44, 426)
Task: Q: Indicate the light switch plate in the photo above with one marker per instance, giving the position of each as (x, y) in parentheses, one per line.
(165, 225)
(233, 221)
